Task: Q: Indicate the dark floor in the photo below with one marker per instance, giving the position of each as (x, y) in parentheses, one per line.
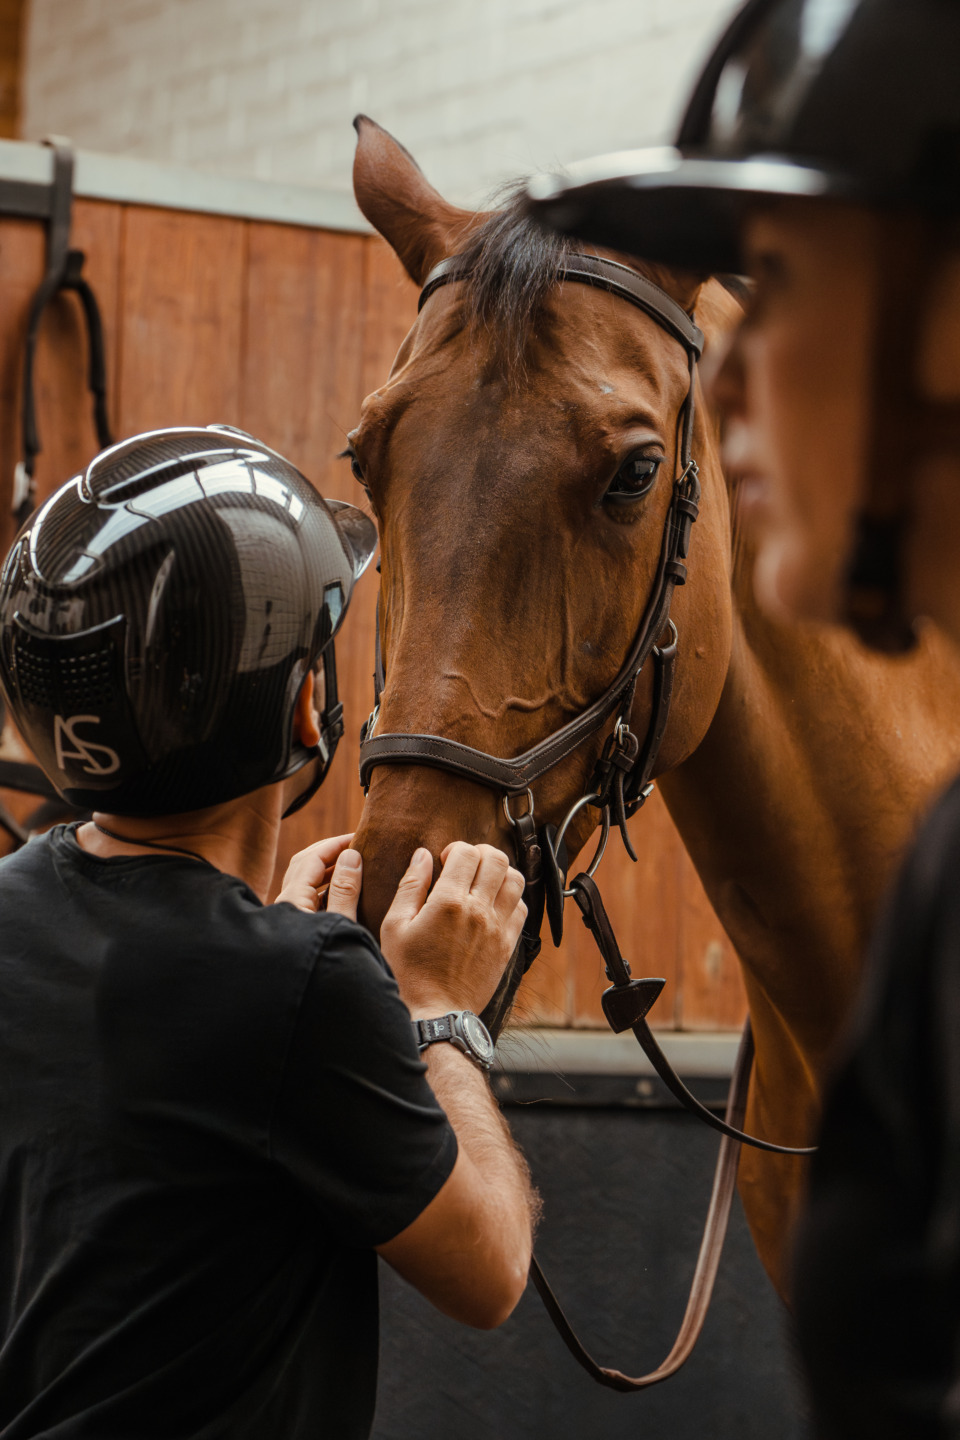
(625, 1193)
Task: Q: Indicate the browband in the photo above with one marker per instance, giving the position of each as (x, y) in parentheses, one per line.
(602, 275)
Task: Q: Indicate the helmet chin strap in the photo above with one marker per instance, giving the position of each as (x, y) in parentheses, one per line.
(331, 732)
(320, 767)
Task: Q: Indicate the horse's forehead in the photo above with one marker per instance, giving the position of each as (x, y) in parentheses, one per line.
(585, 351)
(521, 430)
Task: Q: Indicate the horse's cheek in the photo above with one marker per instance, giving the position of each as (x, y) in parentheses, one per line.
(703, 614)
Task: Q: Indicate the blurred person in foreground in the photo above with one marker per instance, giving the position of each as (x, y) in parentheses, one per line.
(214, 1111)
(820, 156)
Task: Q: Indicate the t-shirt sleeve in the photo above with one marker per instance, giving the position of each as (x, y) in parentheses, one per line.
(356, 1123)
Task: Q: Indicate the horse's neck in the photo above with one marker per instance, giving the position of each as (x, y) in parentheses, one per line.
(795, 809)
(800, 800)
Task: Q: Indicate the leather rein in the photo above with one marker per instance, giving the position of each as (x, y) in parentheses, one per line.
(618, 788)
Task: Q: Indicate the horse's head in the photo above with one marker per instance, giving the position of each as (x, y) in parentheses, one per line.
(520, 459)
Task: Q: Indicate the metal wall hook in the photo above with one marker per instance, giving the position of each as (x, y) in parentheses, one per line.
(64, 271)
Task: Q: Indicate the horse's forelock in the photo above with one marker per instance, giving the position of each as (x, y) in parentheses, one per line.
(510, 265)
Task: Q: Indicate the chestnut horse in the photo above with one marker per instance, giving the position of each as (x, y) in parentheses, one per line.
(518, 550)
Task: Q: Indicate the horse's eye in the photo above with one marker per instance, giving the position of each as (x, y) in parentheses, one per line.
(634, 479)
(350, 455)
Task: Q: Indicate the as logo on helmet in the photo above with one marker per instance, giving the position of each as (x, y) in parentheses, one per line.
(85, 750)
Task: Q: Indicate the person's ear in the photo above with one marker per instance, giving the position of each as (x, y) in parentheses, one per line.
(938, 360)
(306, 717)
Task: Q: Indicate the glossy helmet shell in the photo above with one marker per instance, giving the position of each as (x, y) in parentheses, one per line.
(160, 612)
(848, 99)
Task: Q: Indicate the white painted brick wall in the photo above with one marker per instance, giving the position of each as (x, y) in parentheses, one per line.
(478, 90)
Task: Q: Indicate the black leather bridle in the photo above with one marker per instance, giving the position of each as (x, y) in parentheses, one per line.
(618, 787)
(621, 782)
(630, 765)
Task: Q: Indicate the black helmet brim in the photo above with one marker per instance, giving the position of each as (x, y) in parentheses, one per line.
(357, 531)
(676, 209)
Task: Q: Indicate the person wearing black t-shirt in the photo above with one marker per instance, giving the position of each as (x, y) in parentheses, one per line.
(213, 1111)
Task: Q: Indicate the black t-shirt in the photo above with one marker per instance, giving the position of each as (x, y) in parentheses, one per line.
(210, 1111)
(877, 1275)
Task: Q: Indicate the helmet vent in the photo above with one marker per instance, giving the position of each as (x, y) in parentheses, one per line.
(68, 682)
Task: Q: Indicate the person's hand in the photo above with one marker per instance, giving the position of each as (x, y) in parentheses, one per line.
(309, 871)
(448, 949)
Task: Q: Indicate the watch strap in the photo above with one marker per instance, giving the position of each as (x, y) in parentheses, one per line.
(451, 1027)
(427, 1031)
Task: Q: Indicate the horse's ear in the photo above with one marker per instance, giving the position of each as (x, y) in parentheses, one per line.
(720, 307)
(399, 201)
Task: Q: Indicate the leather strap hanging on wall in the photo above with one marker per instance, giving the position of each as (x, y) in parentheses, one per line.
(64, 271)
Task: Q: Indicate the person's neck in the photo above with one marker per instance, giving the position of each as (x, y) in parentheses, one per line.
(239, 838)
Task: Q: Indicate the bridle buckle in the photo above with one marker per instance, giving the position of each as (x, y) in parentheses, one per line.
(512, 819)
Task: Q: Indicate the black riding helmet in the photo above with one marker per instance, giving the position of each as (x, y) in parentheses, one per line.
(853, 99)
(160, 614)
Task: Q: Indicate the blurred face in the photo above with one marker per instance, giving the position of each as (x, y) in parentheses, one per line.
(795, 391)
(931, 548)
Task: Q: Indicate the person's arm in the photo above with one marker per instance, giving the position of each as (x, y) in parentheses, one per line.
(468, 1251)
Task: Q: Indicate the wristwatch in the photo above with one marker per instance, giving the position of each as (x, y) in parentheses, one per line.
(463, 1029)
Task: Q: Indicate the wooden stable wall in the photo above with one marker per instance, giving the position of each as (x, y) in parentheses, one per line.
(282, 330)
(11, 51)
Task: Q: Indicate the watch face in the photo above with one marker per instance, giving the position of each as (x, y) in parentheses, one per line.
(478, 1035)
